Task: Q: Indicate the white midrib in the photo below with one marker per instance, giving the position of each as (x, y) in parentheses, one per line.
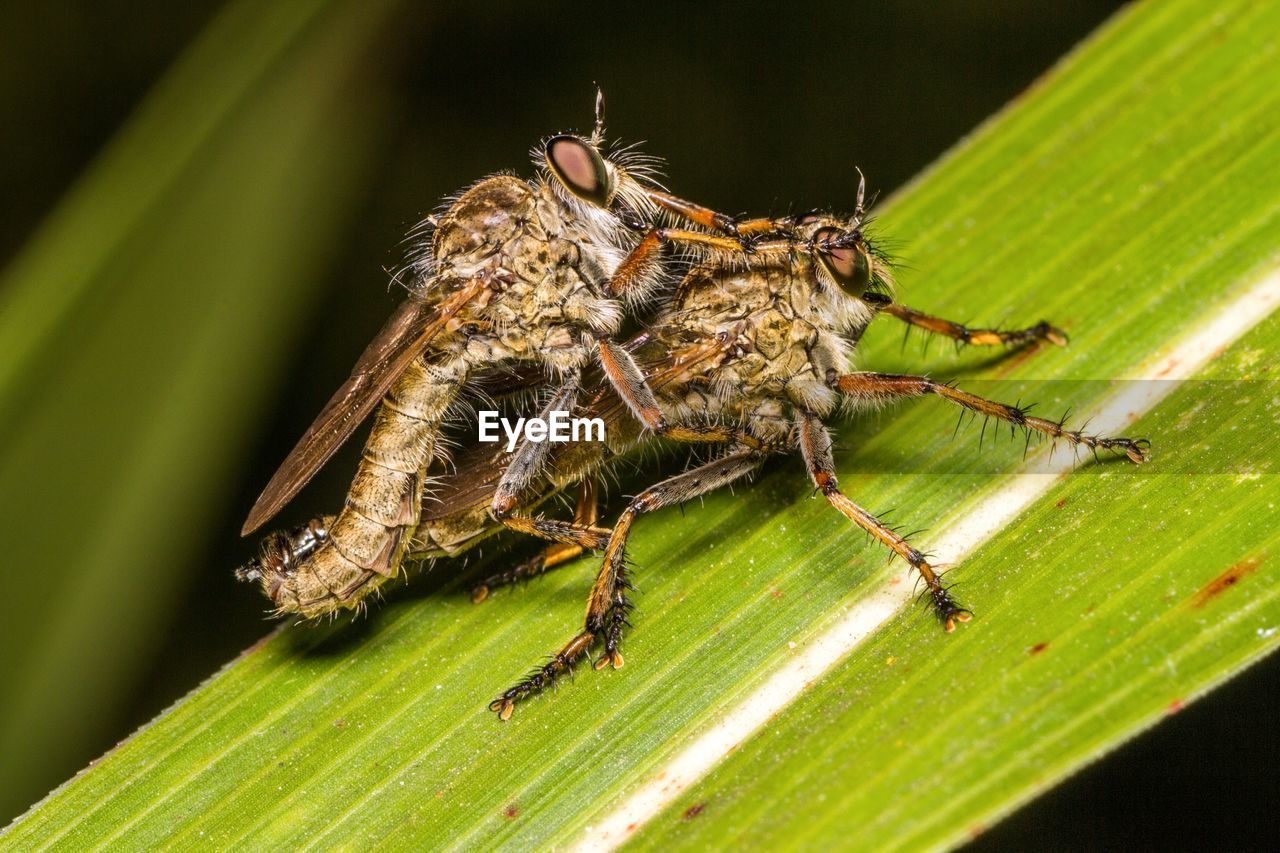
(954, 541)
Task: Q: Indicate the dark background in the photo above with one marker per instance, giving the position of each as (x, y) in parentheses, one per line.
(753, 111)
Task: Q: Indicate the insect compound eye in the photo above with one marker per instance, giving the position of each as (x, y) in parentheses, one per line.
(580, 168)
(849, 265)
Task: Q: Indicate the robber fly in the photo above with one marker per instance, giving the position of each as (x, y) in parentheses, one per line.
(538, 270)
(785, 321)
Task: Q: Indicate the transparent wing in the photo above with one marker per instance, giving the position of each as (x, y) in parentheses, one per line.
(399, 342)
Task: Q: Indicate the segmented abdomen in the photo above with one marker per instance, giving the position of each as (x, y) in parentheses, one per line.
(368, 538)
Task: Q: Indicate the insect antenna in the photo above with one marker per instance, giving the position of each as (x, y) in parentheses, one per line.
(597, 135)
(859, 211)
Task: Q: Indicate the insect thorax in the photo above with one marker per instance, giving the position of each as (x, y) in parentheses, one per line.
(548, 269)
(788, 329)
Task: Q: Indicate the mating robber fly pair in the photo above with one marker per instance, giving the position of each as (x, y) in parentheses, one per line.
(748, 353)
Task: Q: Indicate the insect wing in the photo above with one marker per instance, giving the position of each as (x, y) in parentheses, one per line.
(399, 342)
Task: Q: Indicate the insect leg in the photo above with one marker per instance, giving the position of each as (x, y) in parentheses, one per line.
(572, 538)
(639, 266)
(523, 469)
(585, 514)
(530, 456)
(607, 606)
(1041, 331)
(888, 387)
(693, 212)
(709, 218)
(815, 445)
(628, 380)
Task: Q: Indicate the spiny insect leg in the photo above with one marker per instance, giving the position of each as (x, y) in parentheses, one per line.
(627, 379)
(608, 605)
(544, 675)
(585, 515)
(961, 333)
(637, 266)
(611, 584)
(521, 471)
(695, 213)
(888, 387)
(815, 445)
(548, 558)
(566, 532)
(530, 456)
(642, 261)
(732, 226)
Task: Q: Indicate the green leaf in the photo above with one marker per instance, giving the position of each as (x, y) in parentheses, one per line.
(1131, 197)
(206, 221)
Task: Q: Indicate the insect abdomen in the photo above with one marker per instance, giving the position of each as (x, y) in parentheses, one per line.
(367, 538)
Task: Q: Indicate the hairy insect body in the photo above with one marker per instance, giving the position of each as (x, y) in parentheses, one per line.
(366, 541)
(785, 331)
(737, 345)
(540, 264)
(752, 353)
(788, 320)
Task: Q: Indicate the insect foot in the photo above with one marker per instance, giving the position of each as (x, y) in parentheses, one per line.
(1052, 334)
(948, 611)
(544, 676)
(1135, 448)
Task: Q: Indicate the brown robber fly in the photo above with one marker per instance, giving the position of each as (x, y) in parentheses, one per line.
(753, 354)
(750, 353)
(537, 271)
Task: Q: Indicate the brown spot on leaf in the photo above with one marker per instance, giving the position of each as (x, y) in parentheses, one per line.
(693, 811)
(1038, 648)
(511, 811)
(1174, 707)
(339, 723)
(1225, 581)
(777, 593)
(1060, 504)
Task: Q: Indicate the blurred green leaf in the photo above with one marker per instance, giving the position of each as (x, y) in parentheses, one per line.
(1127, 196)
(140, 333)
